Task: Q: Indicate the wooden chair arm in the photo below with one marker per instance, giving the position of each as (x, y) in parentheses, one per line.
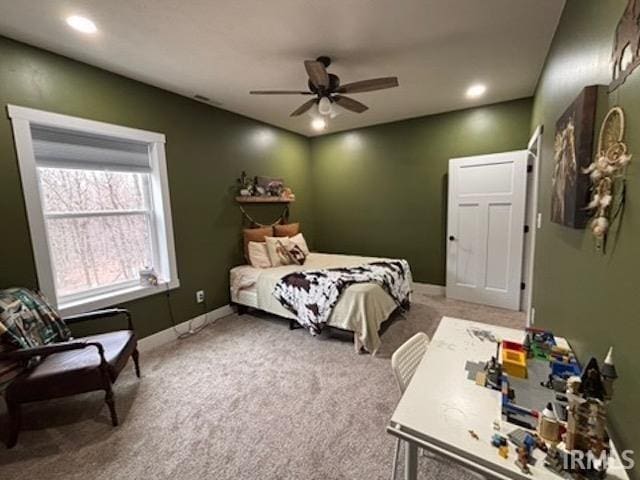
(97, 314)
(44, 350)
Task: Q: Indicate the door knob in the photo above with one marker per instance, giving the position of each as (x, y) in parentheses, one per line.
(452, 238)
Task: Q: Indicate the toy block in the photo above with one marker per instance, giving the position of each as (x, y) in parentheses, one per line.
(514, 359)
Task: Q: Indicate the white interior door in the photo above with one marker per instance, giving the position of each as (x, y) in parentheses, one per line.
(486, 227)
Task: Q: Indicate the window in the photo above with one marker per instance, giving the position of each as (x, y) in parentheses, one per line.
(98, 207)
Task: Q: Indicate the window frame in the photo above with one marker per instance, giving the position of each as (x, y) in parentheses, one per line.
(22, 120)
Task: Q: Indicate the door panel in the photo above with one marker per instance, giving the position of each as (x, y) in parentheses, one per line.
(487, 179)
(486, 227)
(498, 245)
(468, 232)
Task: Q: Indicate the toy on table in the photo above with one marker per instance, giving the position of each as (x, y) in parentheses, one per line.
(553, 461)
(523, 459)
(568, 416)
(525, 443)
(498, 440)
(491, 376)
(540, 343)
(504, 451)
(548, 425)
(609, 374)
(586, 434)
(514, 359)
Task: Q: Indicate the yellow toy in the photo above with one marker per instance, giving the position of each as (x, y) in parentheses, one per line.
(514, 359)
(504, 452)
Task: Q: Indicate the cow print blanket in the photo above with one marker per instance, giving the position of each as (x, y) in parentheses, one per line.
(312, 294)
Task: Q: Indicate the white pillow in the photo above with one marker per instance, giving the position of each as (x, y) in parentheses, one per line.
(301, 242)
(277, 250)
(258, 255)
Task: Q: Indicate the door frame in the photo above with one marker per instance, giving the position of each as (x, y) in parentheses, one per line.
(533, 221)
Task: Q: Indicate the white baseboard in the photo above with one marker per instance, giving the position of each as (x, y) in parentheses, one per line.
(429, 289)
(170, 334)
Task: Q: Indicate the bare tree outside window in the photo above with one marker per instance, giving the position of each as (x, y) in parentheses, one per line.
(98, 225)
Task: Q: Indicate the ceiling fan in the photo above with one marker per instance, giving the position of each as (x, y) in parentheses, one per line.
(326, 89)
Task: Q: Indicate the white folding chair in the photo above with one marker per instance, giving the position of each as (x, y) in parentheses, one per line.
(404, 363)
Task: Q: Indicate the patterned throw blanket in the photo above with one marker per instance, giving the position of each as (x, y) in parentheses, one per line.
(26, 320)
(312, 294)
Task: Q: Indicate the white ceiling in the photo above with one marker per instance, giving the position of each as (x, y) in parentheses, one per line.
(222, 49)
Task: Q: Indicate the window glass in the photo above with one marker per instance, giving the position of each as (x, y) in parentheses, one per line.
(98, 227)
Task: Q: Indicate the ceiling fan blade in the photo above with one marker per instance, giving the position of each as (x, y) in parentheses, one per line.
(317, 73)
(304, 107)
(350, 104)
(279, 92)
(369, 85)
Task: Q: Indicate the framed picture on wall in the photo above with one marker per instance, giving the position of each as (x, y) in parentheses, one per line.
(573, 152)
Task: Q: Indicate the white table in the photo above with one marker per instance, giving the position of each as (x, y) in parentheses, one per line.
(442, 404)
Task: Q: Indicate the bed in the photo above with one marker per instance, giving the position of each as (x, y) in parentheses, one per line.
(362, 308)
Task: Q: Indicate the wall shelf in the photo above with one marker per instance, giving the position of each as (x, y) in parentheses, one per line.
(264, 199)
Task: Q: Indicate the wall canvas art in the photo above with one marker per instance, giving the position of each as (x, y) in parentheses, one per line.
(625, 57)
(573, 152)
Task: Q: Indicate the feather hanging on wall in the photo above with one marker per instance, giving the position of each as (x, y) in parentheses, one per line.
(607, 175)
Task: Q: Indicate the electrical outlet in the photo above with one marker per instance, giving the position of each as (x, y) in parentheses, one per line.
(200, 296)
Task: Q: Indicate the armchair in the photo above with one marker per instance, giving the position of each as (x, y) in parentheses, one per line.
(70, 367)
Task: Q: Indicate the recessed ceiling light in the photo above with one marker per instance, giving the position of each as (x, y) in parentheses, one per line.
(477, 90)
(82, 24)
(318, 124)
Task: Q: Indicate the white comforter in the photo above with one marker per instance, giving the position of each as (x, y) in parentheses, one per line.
(362, 307)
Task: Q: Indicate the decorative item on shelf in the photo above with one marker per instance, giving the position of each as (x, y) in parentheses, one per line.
(148, 277)
(607, 175)
(264, 199)
(288, 193)
(263, 190)
(258, 190)
(270, 186)
(573, 150)
(245, 186)
(625, 57)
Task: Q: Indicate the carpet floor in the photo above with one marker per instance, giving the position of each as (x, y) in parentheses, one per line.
(244, 399)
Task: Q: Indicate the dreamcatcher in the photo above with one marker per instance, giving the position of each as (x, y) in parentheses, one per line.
(607, 176)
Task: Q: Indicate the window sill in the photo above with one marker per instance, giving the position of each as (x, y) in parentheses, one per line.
(114, 298)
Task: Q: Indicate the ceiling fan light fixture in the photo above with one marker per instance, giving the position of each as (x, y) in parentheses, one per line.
(318, 124)
(324, 106)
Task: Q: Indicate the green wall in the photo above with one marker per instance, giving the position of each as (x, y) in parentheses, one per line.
(382, 190)
(592, 299)
(207, 148)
